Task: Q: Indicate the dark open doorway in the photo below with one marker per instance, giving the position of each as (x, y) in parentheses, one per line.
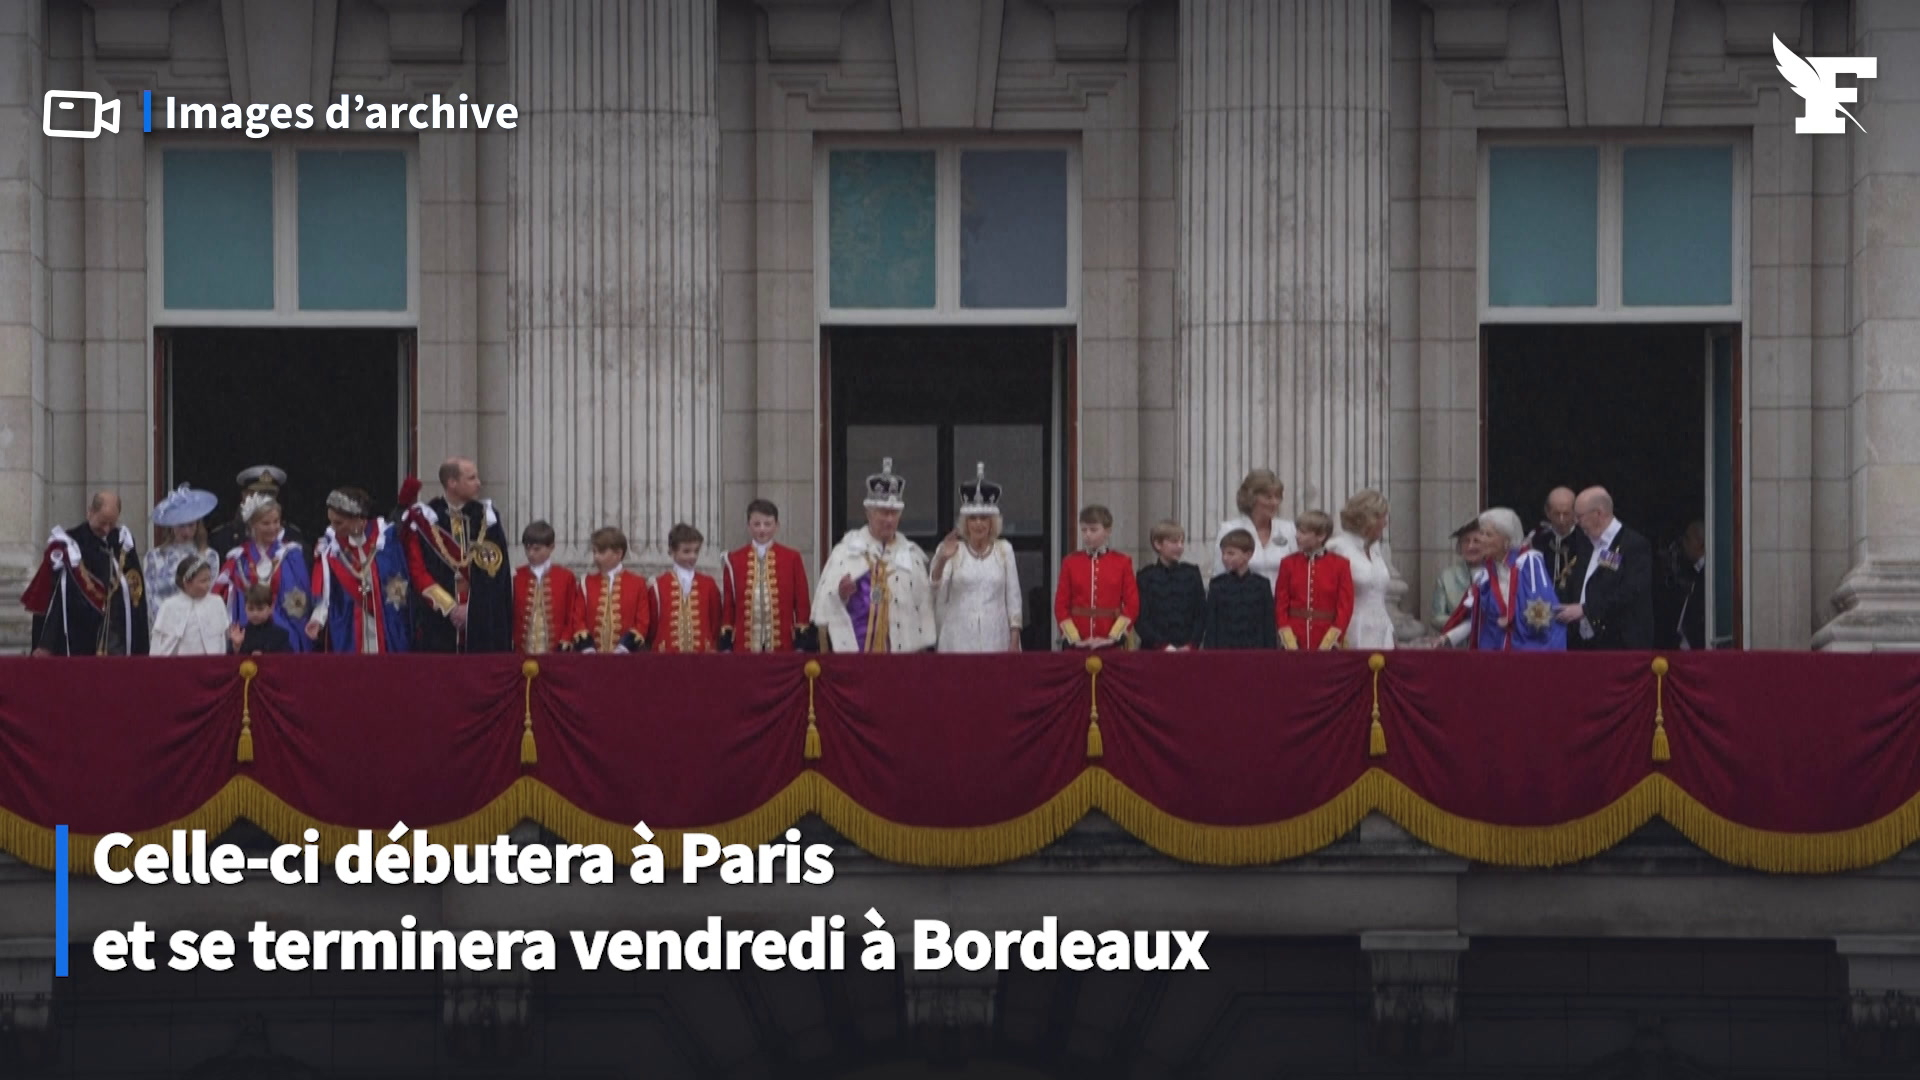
(331, 407)
(938, 401)
(1625, 407)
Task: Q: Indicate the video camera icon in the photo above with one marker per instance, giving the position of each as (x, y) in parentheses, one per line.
(65, 106)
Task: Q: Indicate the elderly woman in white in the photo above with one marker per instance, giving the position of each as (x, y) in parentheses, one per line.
(1511, 604)
(1273, 539)
(1363, 522)
(976, 586)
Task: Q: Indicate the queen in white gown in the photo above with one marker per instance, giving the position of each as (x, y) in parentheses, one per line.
(976, 585)
(1363, 521)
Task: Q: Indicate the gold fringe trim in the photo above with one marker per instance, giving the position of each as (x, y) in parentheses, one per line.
(811, 751)
(1376, 735)
(1662, 753)
(1094, 789)
(243, 753)
(1096, 746)
(529, 751)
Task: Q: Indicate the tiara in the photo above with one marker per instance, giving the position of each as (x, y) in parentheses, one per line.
(343, 503)
(255, 504)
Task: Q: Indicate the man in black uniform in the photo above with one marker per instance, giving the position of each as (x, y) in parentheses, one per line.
(457, 560)
(89, 598)
(1564, 547)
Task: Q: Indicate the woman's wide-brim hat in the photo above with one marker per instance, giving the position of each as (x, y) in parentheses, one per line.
(184, 506)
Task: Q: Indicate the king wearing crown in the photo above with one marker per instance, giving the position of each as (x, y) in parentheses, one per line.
(874, 595)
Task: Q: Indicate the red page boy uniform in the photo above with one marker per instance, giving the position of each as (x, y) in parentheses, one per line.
(549, 610)
(619, 612)
(1314, 601)
(763, 598)
(1097, 597)
(686, 612)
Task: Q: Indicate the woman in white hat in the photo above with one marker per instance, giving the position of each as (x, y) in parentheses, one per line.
(976, 586)
(183, 516)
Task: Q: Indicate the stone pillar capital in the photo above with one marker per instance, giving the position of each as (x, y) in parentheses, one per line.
(133, 29)
(426, 29)
(1090, 29)
(804, 29)
(950, 1012)
(28, 1038)
(1883, 995)
(485, 1014)
(1470, 29)
(1416, 984)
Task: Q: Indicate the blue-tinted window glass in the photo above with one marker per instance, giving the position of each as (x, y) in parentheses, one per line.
(880, 221)
(1677, 221)
(1013, 229)
(353, 230)
(217, 230)
(1543, 209)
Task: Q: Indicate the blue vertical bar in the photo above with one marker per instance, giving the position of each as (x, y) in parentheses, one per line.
(60, 901)
(146, 110)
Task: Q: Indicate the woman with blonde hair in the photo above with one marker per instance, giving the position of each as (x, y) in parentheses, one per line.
(183, 516)
(1273, 539)
(976, 586)
(267, 558)
(1363, 521)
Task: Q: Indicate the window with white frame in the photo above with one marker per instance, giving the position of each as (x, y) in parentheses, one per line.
(287, 235)
(1642, 230)
(972, 232)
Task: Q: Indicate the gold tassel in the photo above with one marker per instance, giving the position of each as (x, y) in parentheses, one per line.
(1096, 747)
(1376, 735)
(812, 749)
(1662, 753)
(244, 752)
(529, 751)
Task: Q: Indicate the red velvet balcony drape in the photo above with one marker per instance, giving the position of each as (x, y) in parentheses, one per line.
(1783, 762)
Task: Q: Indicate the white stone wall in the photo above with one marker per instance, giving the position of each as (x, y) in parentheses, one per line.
(1794, 330)
(1827, 243)
(25, 318)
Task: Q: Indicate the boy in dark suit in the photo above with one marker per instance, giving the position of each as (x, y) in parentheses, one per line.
(1173, 598)
(1239, 602)
(261, 634)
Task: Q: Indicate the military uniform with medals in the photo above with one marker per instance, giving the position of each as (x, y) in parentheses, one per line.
(89, 597)
(458, 556)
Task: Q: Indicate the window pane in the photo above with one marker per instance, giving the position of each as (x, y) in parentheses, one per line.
(1016, 459)
(1543, 226)
(217, 229)
(1013, 229)
(880, 220)
(1677, 216)
(915, 451)
(353, 230)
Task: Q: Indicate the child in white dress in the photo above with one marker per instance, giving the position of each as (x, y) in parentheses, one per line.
(192, 622)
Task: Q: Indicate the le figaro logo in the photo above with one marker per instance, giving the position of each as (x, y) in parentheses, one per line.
(1817, 79)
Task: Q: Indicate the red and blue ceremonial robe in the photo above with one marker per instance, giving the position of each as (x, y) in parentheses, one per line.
(363, 591)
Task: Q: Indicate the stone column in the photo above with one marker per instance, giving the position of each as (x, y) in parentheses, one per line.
(1281, 319)
(613, 270)
(1879, 599)
(24, 418)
